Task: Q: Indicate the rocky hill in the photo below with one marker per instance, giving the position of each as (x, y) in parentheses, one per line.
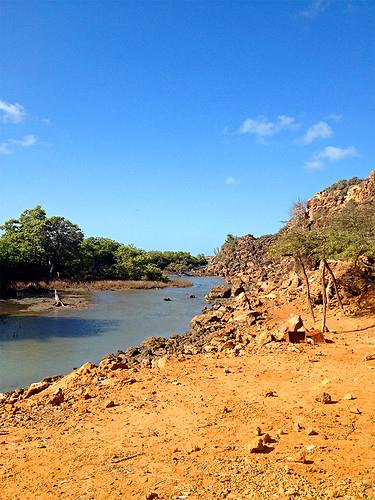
(246, 259)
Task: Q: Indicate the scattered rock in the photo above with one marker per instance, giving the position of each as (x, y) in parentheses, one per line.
(266, 438)
(87, 395)
(297, 427)
(57, 397)
(152, 496)
(299, 457)
(310, 432)
(109, 404)
(324, 398)
(256, 445)
(355, 410)
(264, 338)
(258, 431)
(194, 449)
(270, 394)
(219, 292)
(293, 324)
(369, 357)
(35, 389)
(348, 396)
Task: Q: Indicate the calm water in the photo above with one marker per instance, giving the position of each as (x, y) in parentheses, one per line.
(33, 347)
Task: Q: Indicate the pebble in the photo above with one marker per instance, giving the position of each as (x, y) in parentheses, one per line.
(299, 457)
(348, 396)
(311, 432)
(256, 445)
(109, 404)
(297, 427)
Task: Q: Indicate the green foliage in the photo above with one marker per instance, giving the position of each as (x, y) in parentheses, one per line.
(230, 242)
(35, 246)
(347, 235)
(229, 246)
(97, 258)
(178, 262)
(135, 264)
(341, 187)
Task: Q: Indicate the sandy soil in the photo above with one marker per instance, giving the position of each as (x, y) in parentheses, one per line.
(183, 429)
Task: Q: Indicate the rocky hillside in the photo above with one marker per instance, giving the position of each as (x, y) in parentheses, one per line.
(246, 259)
(340, 194)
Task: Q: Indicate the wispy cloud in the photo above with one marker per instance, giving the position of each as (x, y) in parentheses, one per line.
(332, 154)
(261, 127)
(315, 8)
(11, 113)
(335, 117)
(27, 140)
(231, 181)
(320, 130)
(314, 164)
(7, 147)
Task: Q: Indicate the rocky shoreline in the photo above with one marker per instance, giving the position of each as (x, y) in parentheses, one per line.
(234, 324)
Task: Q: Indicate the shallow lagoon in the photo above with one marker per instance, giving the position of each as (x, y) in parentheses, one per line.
(33, 347)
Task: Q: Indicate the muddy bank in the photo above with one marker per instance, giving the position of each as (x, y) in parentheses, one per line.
(38, 297)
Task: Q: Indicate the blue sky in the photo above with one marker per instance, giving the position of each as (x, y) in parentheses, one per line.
(170, 124)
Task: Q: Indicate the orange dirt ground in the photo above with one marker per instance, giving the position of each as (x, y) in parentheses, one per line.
(182, 430)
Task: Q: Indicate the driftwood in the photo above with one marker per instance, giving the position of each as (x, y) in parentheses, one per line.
(58, 301)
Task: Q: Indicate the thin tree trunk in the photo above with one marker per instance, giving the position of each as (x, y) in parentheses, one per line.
(324, 296)
(307, 289)
(334, 284)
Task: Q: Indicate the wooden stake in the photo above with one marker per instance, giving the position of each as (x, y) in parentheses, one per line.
(334, 284)
(307, 289)
(324, 296)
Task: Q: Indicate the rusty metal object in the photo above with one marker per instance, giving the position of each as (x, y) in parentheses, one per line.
(316, 336)
(295, 337)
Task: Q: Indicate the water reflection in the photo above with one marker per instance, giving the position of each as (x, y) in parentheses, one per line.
(33, 347)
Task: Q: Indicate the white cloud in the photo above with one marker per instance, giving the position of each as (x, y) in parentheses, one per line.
(320, 130)
(11, 113)
(7, 147)
(332, 153)
(230, 181)
(314, 164)
(26, 141)
(262, 127)
(316, 8)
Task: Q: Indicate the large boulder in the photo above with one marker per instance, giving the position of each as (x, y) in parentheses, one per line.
(219, 292)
